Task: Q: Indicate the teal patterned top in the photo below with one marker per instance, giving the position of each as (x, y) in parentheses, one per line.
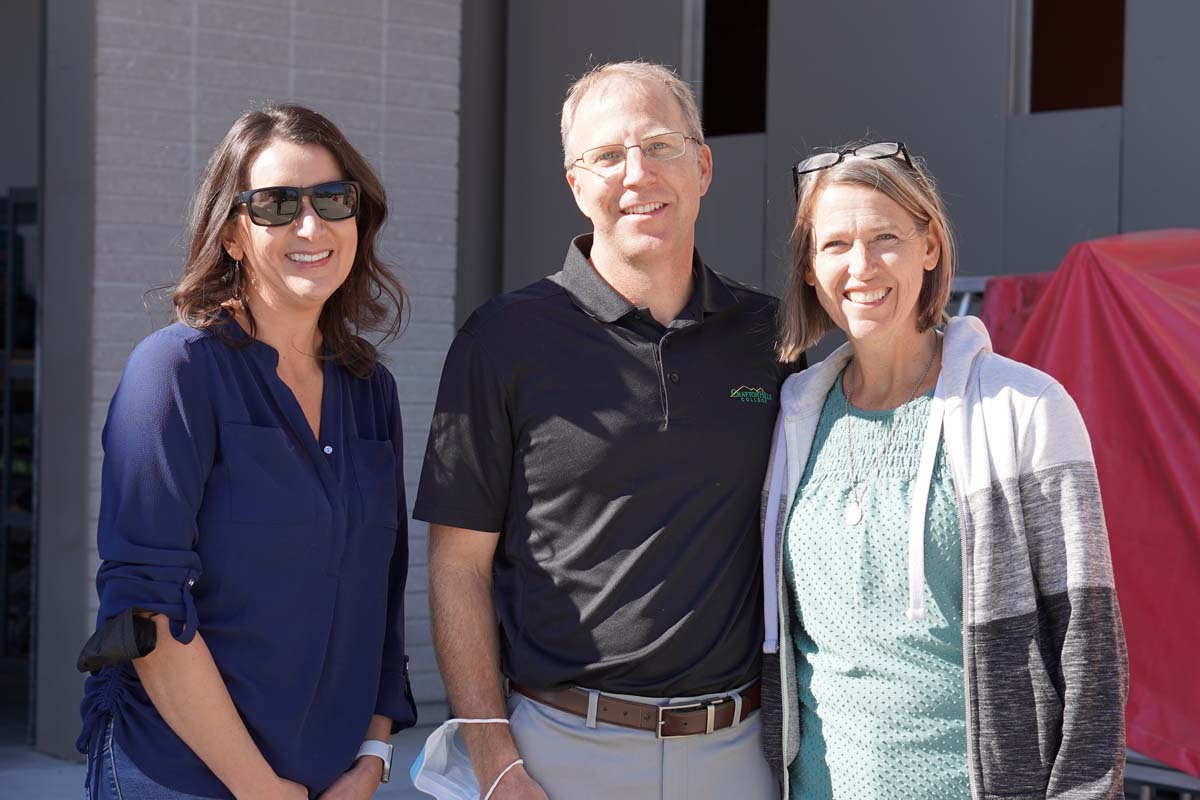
(881, 696)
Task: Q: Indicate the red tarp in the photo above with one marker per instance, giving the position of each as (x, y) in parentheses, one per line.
(1007, 305)
(1119, 325)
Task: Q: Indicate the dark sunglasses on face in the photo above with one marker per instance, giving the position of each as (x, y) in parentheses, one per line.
(279, 205)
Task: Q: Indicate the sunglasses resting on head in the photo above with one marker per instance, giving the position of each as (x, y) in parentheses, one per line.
(873, 150)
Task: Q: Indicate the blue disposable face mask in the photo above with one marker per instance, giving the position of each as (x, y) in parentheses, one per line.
(443, 767)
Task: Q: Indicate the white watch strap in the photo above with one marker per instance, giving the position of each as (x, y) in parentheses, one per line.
(382, 751)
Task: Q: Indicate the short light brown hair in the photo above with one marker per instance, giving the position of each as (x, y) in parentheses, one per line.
(802, 319)
(642, 73)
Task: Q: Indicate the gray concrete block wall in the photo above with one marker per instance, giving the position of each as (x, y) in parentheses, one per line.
(19, 56)
(1160, 126)
(1062, 184)
(542, 60)
(172, 75)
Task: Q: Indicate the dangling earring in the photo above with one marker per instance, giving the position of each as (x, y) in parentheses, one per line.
(239, 281)
(231, 274)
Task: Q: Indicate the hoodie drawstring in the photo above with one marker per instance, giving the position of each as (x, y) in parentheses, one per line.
(916, 515)
(770, 542)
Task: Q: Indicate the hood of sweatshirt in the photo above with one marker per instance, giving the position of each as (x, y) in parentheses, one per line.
(801, 399)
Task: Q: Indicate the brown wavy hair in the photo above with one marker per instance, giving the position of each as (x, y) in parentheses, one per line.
(371, 299)
(802, 320)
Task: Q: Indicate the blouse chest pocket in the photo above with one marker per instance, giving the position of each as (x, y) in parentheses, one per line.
(375, 468)
(270, 480)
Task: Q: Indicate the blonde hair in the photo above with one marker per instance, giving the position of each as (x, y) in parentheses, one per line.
(641, 73)
(802, 319)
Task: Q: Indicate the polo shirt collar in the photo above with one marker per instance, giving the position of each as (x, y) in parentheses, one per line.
(595, 296)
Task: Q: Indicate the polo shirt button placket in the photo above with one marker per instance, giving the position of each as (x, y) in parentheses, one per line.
(674, 377)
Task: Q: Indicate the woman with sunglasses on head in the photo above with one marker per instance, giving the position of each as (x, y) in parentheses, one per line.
(252, 526)
(940, 612)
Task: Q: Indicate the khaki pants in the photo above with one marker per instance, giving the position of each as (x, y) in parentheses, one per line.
(574, 762)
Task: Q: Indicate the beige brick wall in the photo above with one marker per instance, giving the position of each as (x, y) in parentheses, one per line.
(171, 76)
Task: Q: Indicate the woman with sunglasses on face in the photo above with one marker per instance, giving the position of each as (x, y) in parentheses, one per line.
(252, 524)
(940, 613)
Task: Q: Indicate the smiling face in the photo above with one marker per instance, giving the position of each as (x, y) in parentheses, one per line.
(869, 261)
(648, 210)
(296, 266)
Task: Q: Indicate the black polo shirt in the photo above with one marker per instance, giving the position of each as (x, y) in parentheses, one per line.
(622, 461)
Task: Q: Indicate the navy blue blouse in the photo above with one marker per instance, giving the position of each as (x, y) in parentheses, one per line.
(220, 510)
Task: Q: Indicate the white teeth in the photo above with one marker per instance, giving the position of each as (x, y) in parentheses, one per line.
(645, 208)
(867, 297)
(308, 258)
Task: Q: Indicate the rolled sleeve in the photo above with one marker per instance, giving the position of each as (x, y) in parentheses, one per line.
(395, 700)
(468, 462)
(159, 444)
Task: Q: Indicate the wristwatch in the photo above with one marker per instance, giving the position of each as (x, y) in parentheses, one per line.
(382, 751)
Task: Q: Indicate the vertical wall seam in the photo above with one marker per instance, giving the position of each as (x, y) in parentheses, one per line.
(193, 79)
(291, 51)
(383, 87)
(1120, 221)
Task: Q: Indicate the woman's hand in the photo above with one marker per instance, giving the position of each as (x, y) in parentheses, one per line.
(188, 691)
(357, 783)
(289, 790)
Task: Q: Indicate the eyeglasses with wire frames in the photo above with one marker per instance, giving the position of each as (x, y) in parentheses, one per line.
(873, 150)
(609, 159)
(278, 205)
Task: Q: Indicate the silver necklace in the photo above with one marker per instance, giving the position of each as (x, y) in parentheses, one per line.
(854, 511)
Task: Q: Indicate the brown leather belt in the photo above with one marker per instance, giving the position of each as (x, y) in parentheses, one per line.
(684, 719)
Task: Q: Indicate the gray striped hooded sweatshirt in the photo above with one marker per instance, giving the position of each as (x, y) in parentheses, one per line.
(1044, 656)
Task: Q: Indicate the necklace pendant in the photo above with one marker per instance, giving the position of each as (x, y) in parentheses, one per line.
(854, 513)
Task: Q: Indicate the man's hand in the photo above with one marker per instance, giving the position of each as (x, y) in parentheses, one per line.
(357, 783)
(516, 785)
(466, 640)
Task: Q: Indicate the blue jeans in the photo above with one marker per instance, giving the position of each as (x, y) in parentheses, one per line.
(116, 777)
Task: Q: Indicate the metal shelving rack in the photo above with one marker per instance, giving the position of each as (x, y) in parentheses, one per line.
(18, 257)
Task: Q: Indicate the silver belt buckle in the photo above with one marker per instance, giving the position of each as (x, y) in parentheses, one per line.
(709, 705)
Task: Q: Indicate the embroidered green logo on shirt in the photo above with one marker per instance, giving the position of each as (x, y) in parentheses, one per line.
(747, 394)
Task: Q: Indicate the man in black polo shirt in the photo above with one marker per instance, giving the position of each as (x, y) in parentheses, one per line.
(593, 480)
